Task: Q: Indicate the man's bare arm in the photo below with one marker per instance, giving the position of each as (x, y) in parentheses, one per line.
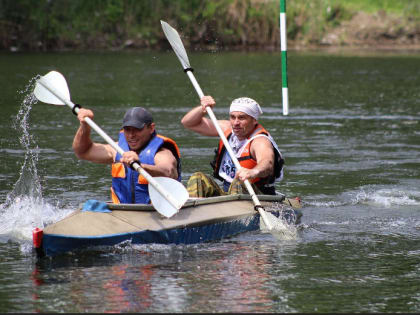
(262, 151)
(165, 163)
(195, 120)
(85, 148)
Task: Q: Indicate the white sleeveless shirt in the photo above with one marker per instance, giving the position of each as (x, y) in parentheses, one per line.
(227, 169)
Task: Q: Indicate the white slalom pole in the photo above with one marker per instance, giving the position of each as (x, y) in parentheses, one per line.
(283, 46)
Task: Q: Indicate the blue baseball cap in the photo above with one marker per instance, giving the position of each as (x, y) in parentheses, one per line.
(137, 117)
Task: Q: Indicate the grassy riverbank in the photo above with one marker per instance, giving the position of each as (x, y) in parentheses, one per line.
(218, 24)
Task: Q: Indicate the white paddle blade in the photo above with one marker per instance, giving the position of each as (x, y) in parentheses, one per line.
(55, 80)
(160, 203)
(176, 43)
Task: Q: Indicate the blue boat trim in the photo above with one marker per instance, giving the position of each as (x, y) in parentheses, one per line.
(54, 244)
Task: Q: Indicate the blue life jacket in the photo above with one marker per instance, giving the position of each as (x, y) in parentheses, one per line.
(128, 185)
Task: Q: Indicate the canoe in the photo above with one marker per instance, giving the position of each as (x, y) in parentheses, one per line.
(199, 220)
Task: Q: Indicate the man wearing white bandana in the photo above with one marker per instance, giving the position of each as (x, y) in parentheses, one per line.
(258, 154)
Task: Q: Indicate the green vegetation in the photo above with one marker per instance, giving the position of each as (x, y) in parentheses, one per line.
(120, 24)
(405, 8)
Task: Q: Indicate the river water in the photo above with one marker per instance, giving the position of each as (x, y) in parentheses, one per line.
(352, 147)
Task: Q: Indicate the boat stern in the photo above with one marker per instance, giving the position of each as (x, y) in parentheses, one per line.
(37, 236)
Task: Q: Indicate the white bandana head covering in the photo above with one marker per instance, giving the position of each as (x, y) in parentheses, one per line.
(246, 105)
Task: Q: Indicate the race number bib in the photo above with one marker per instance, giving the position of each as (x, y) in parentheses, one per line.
(228, 169)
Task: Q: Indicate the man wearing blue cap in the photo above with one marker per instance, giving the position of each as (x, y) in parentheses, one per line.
(158, 155)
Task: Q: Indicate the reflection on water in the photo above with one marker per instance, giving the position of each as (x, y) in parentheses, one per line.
(351, 148)
(232, 272)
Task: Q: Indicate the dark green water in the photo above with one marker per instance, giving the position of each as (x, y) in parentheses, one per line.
(352, 149)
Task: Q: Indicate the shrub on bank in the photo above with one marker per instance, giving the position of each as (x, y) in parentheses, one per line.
(121, 24)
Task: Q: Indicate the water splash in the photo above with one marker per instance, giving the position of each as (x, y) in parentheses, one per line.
(22, 216)
(283, 227)
(24, 208)
(28, 182)
(373, 196)
(388, 197)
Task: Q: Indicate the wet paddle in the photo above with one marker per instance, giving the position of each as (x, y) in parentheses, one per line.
(176, 43)
(52, 89)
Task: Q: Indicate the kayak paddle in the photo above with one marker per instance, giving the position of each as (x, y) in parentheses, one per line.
(176, 43)
(52, 89)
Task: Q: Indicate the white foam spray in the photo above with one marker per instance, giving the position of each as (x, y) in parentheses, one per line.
(281, 228)
(24, 208)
